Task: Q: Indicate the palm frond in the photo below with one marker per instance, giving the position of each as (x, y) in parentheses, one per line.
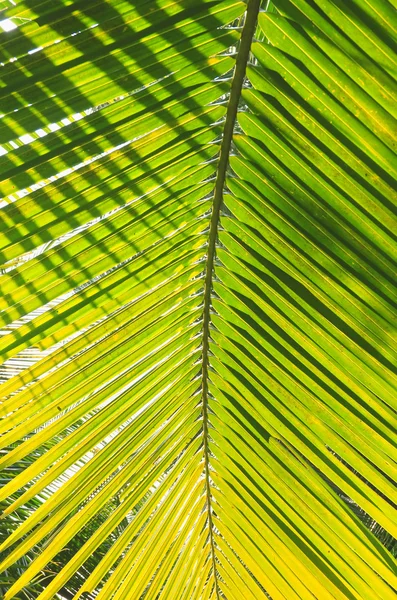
(198, 297)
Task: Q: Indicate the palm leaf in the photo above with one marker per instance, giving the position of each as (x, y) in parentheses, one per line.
(198, 299)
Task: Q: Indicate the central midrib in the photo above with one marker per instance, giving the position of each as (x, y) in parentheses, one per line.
(253, 7)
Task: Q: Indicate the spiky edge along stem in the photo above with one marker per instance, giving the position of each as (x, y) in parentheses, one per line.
(247, 34)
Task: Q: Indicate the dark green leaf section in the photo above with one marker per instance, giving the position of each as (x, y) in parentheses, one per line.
(303, 374)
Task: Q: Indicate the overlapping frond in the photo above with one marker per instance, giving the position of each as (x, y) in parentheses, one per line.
(208, 301)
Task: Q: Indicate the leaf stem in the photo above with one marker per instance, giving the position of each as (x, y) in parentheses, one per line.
(247, 34)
